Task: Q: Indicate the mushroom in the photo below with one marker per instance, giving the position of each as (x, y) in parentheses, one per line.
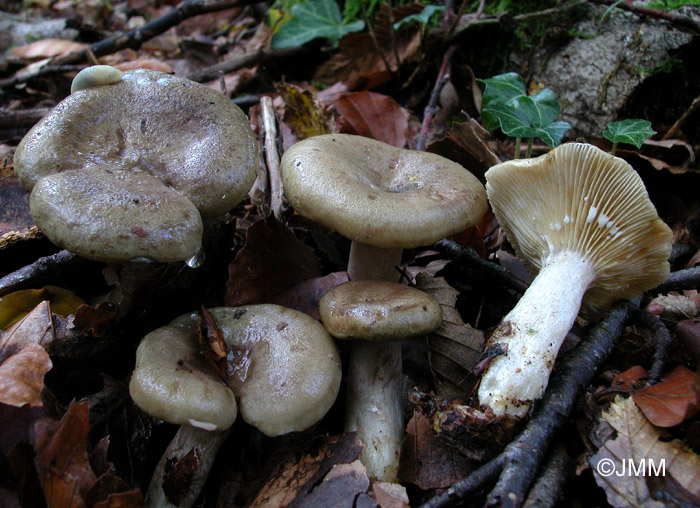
(384, 199)
(127, 166)
(377, 312)
(583, 219)
(283, 367)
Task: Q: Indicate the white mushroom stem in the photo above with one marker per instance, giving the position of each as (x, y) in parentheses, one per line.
(206, 444)
(532, 333)
(368, 262)
(373, 400)
(373, 405)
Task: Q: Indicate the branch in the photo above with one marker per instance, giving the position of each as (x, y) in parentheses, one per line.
(40, 271)
(239, 62)
(662, 339)
(679, 280)
(134, 38)
(442, 78)
(519, 462)
(684, 22)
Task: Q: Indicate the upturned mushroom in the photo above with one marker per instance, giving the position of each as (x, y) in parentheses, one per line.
(381, 312)
(283, 367)
(582, 219)
(127, 166)
(384, 199)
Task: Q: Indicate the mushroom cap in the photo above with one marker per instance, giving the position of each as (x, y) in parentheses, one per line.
(191, 138)
(173, 382)
(378, 311)
(285, 367)
(144, 218)
(580, 198)
(378, 194)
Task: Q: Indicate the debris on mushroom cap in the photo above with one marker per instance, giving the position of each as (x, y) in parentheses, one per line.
(378, 310)
(582, 199)
(96, 75)
(378, 194)
(286, 368)
(190, 137)
(115, 215)
(173, 382)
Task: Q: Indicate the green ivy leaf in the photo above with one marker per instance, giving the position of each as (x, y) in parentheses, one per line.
(505, 104)
(423, 18)
(632, 131)
(312, 20)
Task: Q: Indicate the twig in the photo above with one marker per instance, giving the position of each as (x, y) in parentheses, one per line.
(685, 22)
(549, 486)
(679, 280)
(522, 457)
(14, 118)
(469, 256)
(134, 38)
(239, 62)
(679, 123)
(662, 340)
(47, 70)
(40, 271)
(272, 158)
(442, 78)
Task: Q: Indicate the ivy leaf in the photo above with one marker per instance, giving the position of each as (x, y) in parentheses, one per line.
(423, 18)
(312, 20)
(632, 131)
(499, 90)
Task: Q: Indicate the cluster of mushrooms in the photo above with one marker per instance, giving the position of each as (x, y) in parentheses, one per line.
(108, 185)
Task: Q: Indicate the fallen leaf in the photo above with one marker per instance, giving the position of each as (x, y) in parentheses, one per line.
(672, 401)
(305, 295)
(374, 116)
(14, 213)
(627, 379)
(34, 328)
(303, 114)
(455, 347)
(271, 260)
(390, 495)
(339, 488)
(22, 376)
(688, 332)
(426, 460)
(295, 479)
(144, 63)
(638, 444)
(62, 459)
(212, 344)
(18, 304)
(179, 475)
(46, 48)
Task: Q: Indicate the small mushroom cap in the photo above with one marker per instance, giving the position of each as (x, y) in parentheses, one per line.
(580, 198)
(190, 137)
(285, 366)
(173, 382)
(378, 311)
(115, 215)
(97, 75)
(378, 194)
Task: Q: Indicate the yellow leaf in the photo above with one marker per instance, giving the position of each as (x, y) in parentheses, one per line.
(15, 306)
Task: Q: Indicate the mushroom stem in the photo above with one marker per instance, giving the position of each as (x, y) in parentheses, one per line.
(204, 445)
(373, 403)
(531, 334)
(368, 262)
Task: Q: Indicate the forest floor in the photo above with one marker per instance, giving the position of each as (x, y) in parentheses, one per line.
(618, 424)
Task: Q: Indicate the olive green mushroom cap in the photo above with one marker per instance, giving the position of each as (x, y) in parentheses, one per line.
(378, 311)
(582, 199)
(285, 367)
(180, 136)
(377, 194)
(173, 382)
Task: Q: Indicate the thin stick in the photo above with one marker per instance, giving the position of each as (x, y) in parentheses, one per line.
(39, 272)
(680, 280)
(442, 78)
(662, 340)
(272, 158)
(210, 73)
(685, 22)
(679, 123)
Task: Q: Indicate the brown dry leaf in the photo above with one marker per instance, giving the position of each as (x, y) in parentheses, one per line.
(129, 499)
(297, 479)
(359, 65)
(14, 306)
(22, 376)
(303, 114)
(34, 328)
(672, 401)
(46, 48)
(305, 295)
(637, 442)
(390, 495)
(688, 332)
(455, 347)
(627, 379)
(14, 213)
(62, 459)
(271, 260)
(372, 115)
(180, 475)
(339, 488)
(144, 63)
(426, 460)
(212, 344)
